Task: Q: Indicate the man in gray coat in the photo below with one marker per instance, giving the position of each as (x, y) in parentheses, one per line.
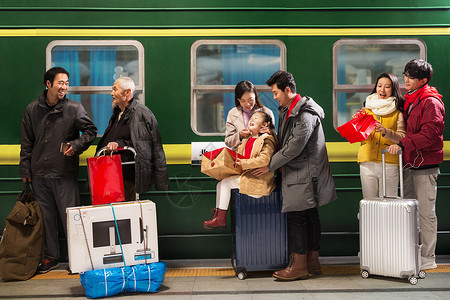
(306, 179)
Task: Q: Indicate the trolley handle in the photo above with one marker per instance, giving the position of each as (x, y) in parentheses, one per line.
(103, 151)
(400, 171)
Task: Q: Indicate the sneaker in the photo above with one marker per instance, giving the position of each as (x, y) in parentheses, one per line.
(428, 263)
(47, 265)
(428, 266)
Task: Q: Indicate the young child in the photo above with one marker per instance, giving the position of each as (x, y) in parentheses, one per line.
(258, 150)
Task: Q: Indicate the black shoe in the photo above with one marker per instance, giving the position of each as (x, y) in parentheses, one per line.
(47, 265)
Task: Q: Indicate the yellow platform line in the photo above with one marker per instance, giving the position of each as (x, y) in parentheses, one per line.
(224, 272)
(200, 272)
(56, 274)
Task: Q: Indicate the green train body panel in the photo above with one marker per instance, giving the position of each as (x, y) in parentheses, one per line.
(167, 30)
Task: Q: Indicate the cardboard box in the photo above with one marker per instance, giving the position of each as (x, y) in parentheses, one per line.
(94, 227)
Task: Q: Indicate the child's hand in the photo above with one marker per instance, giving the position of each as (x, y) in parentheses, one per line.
(238, 162)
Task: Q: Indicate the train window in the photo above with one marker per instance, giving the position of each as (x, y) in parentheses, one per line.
(94, 65)
(217, 66)
(357, 64)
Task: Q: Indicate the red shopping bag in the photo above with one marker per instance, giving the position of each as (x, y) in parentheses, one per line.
(359, 128)
(221, 163)
(106, 179)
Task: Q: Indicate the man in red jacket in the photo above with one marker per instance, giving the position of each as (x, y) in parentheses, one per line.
(422, 150)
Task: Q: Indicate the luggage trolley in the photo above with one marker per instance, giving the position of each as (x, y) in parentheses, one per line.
(105, 176)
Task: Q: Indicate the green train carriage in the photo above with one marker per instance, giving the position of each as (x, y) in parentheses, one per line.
(334, 52)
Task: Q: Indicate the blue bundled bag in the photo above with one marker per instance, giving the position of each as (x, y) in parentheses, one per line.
(109, 282)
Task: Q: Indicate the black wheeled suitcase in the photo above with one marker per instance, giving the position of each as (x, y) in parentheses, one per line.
(259, 233)
(389, 235)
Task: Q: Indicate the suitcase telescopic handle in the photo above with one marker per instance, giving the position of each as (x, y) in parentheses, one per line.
(400, 171)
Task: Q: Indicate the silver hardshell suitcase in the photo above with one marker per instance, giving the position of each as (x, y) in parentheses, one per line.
(389, 231)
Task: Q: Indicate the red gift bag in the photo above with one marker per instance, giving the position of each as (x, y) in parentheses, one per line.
(359, 128)
(106, 179)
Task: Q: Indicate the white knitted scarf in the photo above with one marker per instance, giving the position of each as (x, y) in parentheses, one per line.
(380, 107)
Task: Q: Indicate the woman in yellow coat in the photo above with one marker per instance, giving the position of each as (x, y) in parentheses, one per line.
(385, 104)
(258, 150)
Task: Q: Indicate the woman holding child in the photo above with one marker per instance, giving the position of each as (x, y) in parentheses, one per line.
(247, 102)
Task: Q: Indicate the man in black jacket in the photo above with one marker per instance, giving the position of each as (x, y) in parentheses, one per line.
(50, 148)
(133, 124)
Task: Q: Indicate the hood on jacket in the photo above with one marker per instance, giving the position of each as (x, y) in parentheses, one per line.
(428, 91)
(308, 104)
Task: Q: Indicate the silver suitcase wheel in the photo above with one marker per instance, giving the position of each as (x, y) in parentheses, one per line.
(422, 274)
(413, 280)
(364, 274)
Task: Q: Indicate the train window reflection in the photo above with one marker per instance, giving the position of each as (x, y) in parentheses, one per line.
(211, 110)
(358, 62)
(94, 65)
(217, 66)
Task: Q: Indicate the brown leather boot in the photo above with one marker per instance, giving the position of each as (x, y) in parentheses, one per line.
(219, 220)
(296, 269)
(313, 263)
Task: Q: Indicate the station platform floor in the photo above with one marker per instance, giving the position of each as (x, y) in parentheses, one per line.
(216, 279)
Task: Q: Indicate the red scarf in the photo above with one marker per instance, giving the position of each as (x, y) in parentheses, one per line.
(291, 107)
(422, 93)
(249, 147)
